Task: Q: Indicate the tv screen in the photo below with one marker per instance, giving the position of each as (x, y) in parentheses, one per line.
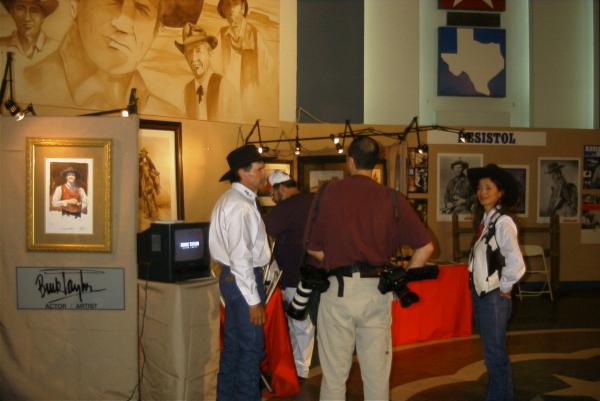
(189, 244)
(174, 251)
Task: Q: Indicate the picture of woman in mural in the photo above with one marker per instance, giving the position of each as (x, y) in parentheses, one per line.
(245, 57)
(96, 64)
(28, 39)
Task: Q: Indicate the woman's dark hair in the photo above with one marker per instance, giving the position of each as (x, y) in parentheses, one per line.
(478, 210)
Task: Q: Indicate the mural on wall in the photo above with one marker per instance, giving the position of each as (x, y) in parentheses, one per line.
(558, 189)
(471, 62)
(201, 59)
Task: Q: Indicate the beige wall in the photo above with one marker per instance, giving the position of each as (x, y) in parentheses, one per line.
(71, 354)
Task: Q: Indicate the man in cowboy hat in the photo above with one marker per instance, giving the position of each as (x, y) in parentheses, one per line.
(563, 196)
(70, 197)
(209, 96)
(29, 38)
(238, 242)
(457, 198)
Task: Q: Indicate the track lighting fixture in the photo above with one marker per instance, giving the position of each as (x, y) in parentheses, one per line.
(22, 114)
(129, 110)
(12, 107)
(339, 139)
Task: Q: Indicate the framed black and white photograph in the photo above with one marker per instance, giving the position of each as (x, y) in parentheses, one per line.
(558, 189)
(591, 166)
(455, 195)
(521, 174)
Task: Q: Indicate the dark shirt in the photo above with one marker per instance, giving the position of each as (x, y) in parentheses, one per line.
(355, 223)
(286, 223)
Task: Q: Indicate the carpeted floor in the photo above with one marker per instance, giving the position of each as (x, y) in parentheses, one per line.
(554, 348)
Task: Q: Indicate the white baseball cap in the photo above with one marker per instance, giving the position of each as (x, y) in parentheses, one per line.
(277, 177)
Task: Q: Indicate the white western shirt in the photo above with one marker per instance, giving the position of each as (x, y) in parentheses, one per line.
(238, 239)
(507, 240)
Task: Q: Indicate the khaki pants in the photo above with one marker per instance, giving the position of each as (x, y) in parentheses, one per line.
(362, 319)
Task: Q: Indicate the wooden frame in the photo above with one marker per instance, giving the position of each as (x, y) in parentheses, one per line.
(64, 213)
(264, 193)
(314, 170)
(160, 195)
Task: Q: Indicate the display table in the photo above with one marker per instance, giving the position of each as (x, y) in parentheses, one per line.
(444, 309)
(179, 347)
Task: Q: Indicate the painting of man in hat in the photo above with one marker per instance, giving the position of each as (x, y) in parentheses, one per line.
(28, 38)
(558, 192)
(208, 96)
(70, 197)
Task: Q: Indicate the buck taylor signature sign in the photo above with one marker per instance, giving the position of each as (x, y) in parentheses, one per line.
(70, 288)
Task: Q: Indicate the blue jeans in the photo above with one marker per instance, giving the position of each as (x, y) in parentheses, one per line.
(239, 365)
(491, 317)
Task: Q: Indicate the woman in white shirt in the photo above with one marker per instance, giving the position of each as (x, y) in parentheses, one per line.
(495, 265)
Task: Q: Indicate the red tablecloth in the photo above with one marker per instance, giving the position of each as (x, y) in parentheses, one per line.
(278, 362)
(443, 311)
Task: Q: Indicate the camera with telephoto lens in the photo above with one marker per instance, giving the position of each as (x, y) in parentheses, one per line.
(395, 278)
(312, 278)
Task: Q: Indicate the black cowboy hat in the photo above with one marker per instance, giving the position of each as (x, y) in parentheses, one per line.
(71, 170)
(464, 164)
(241, 157)
(554, 167)
(47, 6)
(511, 187)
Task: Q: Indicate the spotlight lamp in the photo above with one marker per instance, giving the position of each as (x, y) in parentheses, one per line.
(263, 149)
(461, 137)
(335, 139)
(12, 107)
(422, 149)
(24, 113)
(339, 148)
(298, 149)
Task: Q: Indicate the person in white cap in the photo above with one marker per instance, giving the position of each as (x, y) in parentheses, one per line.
(286, 223)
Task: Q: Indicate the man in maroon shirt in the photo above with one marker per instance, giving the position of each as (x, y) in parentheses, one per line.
(358, 227)
(286, 223)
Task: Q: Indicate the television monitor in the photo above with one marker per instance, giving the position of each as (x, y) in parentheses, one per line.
(173, 251)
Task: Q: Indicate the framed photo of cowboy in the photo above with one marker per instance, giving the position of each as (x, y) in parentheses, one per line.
(69, 194)
(559, 189)
(314, 171)
(454, 193)
(160, 193)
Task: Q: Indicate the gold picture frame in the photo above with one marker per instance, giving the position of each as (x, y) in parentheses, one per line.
(69, 194)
